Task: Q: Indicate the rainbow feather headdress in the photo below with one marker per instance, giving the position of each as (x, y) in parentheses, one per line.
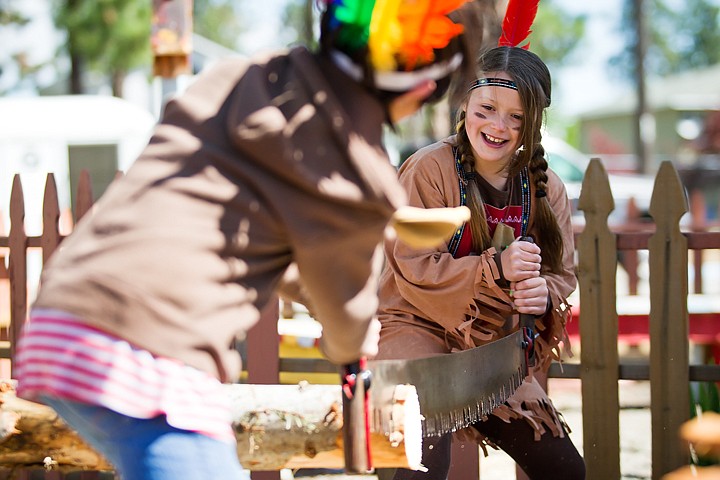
(397, 35)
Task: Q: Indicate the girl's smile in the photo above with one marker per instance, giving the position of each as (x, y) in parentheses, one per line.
(494, 141)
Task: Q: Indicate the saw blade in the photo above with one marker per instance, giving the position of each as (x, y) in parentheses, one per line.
(456, 389)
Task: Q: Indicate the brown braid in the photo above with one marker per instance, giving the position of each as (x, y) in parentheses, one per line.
(548, 231)
(532, 78)
(478, 221)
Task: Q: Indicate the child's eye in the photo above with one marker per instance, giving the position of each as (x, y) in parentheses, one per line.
(518, 117)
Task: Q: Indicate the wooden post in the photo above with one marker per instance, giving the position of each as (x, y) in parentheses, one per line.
(597, 253)
(465, 463)
(630, 257)
(84, 195)
(263, 347)
(263, 358)
(17, 261)
(698, 215)
(669, 349)
(50, 237)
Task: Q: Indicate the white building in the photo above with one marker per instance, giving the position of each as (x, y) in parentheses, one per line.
(64, 135)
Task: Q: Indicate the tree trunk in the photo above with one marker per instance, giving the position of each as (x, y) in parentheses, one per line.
(76, 68)
(76, 60)
(118, 80)
(276, 426)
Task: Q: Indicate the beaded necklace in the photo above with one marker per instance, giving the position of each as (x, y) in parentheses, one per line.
(464, 177)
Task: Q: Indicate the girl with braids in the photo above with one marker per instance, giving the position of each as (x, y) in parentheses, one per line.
(470, 291)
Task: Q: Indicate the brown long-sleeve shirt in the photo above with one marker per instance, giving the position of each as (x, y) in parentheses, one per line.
(257, 166)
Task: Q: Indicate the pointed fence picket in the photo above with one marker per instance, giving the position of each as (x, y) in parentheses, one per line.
(668, 370)
(669, 358)
(597, 266)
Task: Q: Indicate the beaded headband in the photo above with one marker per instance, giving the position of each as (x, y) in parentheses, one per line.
(492, 82)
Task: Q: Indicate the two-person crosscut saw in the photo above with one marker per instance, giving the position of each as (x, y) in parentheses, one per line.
(454, 390)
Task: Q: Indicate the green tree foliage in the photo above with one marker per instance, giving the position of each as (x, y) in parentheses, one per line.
(9, 15)
(556, 33)
(112, 37)
(681, 36)
(689, 36)
(221, 21)
(301, 17)
(13, 59)
(108, 36)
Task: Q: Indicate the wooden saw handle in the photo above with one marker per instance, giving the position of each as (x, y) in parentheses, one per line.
(527, 323)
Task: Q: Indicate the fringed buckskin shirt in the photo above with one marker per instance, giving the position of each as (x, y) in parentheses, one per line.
(432, 303)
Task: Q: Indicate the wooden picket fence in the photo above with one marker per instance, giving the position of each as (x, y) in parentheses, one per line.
(600, 369)
(668, 370)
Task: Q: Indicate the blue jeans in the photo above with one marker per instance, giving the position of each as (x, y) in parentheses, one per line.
(150, 449)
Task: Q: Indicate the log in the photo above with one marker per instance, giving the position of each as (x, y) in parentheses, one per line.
(279, 426)
(33, 434)
(276, 426)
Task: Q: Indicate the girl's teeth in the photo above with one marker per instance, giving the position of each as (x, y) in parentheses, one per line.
(493, 139)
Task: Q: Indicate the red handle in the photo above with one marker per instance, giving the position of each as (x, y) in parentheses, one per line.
(355, 381)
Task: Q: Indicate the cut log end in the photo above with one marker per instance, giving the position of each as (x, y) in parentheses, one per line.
(406, 429)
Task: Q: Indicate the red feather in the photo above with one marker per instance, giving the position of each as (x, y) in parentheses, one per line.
(519, 17)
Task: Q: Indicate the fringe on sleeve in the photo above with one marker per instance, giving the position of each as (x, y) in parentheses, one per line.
(553, 340)
(486, 314)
